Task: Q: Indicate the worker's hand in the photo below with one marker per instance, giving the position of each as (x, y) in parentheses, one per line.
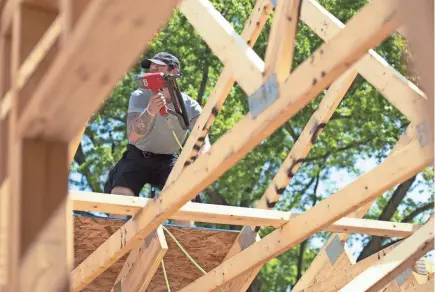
(156, 103)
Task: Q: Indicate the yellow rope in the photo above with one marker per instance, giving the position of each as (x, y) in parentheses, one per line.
(166, 276)
(170, 234)
(186, 253)
(173, 133)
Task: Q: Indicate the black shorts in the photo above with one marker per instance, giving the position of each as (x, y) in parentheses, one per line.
(137, 168)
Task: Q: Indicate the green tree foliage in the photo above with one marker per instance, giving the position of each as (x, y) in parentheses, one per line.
(365, 126)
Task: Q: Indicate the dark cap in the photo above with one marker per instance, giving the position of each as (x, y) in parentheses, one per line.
(162, 58)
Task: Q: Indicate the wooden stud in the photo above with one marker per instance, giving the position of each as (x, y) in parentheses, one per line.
(81, 77)
(32, 62)
(71, 11)
(280, 48)
(308, 80)
(4, 240)
(389, 267)
(7, 15)
(39, 226)
(229, 47)
(140, 272)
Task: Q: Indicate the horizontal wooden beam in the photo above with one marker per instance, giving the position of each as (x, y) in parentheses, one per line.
(399, 91)
(82, 76)
(116, 204)
(219, 214)
(303, 85)
(389, 267)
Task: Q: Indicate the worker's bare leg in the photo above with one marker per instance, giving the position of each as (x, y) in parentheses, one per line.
(124, 192)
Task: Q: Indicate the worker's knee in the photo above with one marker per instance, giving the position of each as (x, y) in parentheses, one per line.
(122, 191)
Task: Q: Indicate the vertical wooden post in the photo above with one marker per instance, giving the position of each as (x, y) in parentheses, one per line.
(40, 220)
(71, 10)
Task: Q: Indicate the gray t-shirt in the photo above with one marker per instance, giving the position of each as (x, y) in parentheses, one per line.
(160, 139)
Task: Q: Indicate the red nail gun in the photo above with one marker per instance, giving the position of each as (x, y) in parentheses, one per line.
(155, 82)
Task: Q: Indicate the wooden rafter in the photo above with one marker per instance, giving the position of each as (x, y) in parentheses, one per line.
(301, 87)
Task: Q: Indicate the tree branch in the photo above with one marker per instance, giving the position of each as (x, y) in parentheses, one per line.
(205, 68)
(325, 156)
(215, 197)
(375, 244)
(291, 131)
(80, 158)
(418, 211)
(303, 244)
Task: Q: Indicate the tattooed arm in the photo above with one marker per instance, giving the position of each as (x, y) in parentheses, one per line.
(138, 125)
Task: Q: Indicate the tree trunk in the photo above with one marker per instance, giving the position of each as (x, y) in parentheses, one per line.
(80, 158)
(375, 244)
(204, 79)
(255, 285)
(215, 198)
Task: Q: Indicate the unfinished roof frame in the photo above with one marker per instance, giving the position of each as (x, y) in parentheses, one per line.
(39, 134)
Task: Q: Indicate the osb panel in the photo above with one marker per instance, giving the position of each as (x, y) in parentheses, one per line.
(207, 247)
(89, 234)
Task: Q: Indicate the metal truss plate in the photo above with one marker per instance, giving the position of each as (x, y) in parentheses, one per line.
(402, 277)
(334, 250)
(263, 96)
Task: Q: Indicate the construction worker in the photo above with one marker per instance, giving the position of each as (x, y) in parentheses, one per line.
(153, 149)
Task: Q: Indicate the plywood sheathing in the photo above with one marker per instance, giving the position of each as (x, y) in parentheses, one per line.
(208, 248)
